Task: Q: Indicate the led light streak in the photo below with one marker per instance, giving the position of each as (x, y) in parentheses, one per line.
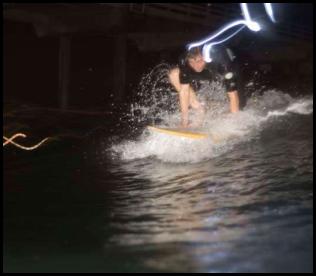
(247, 21)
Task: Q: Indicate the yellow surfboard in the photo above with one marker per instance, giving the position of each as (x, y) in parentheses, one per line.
(179, 132)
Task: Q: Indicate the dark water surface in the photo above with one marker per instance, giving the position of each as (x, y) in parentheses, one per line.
(71, 206)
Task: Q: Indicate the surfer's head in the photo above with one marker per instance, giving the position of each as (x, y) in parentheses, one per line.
(195, 60)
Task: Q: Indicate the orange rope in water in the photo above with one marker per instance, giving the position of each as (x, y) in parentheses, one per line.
(10, 141)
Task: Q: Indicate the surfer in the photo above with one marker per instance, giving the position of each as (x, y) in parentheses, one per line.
(193, 68)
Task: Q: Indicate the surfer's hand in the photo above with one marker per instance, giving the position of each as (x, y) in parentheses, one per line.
(193, 125)
(183, 125)
(189, 125)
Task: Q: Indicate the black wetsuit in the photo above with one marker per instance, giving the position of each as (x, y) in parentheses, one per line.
(222, 67)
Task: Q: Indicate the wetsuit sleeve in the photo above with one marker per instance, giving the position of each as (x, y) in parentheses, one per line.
(228, 69)
(184, 76)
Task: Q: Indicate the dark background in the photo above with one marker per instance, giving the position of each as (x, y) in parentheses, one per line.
(31, 51)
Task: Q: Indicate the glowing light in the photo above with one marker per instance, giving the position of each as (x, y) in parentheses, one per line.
(247, 21)
(207, 48)
(199, 43)
(252, 25)
(10, 141)
(269, 11)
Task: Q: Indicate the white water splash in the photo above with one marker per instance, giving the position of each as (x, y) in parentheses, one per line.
(231, 128)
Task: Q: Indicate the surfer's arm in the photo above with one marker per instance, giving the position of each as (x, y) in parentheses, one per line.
(233, 101)
(184, 95)
(230, 72)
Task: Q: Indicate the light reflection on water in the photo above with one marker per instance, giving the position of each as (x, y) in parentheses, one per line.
(247, 210)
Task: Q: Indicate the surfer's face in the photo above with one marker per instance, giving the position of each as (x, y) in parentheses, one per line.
(197, 63)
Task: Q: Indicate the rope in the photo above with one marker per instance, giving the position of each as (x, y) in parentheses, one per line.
(10, 141)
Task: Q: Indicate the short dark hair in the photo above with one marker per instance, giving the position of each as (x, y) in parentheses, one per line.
(192, 53)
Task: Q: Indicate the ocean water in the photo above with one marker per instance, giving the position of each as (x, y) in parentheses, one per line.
(142, 201)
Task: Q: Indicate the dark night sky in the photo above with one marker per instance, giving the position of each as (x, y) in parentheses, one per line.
(301, 14)
(31, 63)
